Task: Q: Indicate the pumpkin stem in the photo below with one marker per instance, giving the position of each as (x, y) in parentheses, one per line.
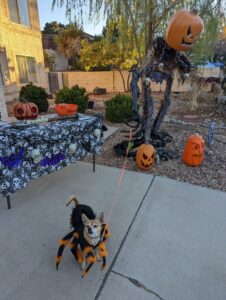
(23, 100)
(194, 11)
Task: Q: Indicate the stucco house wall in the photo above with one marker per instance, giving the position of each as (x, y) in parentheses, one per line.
(16, 40)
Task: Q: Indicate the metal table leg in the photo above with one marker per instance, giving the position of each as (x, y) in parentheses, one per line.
(94, 162)
(8, 202)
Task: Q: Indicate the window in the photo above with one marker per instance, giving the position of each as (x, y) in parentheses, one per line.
(27, 69)
(31, 65)
(18, 10)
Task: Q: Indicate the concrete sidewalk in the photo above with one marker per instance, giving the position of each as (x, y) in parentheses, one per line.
(168, 239)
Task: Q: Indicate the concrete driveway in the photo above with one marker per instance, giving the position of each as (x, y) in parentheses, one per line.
(168, 239)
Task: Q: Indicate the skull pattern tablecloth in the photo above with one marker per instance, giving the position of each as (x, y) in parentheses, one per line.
(33, 151)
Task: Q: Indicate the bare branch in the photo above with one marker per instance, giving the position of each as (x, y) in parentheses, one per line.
(165, 13)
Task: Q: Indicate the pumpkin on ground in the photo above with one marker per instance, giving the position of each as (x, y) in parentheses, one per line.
(145, 156)
(184, 29)
(194, 150)
(25, 111)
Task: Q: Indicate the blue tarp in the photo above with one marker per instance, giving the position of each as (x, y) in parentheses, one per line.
(212, 65)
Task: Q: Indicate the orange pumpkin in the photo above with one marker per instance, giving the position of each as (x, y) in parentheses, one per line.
(184, 29)
(64, 109)
(194, 150)
(25, 111)
(145, 156)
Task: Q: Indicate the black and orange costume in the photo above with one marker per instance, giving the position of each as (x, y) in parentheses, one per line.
(78, 245)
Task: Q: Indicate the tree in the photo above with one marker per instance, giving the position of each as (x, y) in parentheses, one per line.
(212, 13)
(147, 18)
(49, 60)
(69, 42)
(144, 17)
(203, 50)
(111, 51)
(53, 28)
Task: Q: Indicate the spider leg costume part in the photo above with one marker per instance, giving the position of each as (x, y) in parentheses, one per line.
(82, 250)
(81, 241)
(64, 242)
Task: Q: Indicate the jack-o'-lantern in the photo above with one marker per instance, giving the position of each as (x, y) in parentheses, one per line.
(25, 111)
(194, 150)
(184, 29)
(145, 156)
(64, 109)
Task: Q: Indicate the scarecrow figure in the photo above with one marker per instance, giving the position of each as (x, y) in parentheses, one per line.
(134, 88)
(162, 60)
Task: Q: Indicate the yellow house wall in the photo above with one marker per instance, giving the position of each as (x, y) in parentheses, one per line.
(18, 39)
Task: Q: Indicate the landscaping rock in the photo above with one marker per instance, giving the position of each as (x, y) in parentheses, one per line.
(221, 100)
(99, 91)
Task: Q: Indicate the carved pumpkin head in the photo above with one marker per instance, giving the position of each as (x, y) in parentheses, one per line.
(193, 152)
(183, 30)
(25, 111)
(64, 109)
(145, 156)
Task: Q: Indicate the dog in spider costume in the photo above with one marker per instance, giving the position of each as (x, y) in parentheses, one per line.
(87, 240)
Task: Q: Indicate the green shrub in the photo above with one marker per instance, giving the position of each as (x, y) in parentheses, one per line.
(119, 108)
(75, 95)
(35, 94)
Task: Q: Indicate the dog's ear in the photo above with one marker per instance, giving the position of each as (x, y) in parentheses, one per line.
(84, 219)
(101, 217)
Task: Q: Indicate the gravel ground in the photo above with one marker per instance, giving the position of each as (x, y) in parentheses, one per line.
(180, 123)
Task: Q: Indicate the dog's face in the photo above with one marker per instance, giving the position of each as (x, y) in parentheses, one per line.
(92, 228)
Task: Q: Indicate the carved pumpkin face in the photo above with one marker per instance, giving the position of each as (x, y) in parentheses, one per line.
(183, 30)
(193, 152)
(64, 109)
(145, 157)
(25, 111)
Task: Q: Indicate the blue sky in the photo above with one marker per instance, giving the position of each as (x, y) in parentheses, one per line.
(47, 15)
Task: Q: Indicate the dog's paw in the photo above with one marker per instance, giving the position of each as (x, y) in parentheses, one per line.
(99, 258)
(84, 274)
(83, 266)
(103, 267)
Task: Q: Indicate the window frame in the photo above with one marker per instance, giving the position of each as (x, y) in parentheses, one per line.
(27, 70)
(19, 14)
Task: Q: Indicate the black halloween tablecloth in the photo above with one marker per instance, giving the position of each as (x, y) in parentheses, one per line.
(29, 152)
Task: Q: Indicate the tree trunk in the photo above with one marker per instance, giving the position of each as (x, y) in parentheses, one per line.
(123, 80)
(128, 82)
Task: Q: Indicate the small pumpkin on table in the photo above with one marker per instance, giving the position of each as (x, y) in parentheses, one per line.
(64, 109)
(25, 110)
